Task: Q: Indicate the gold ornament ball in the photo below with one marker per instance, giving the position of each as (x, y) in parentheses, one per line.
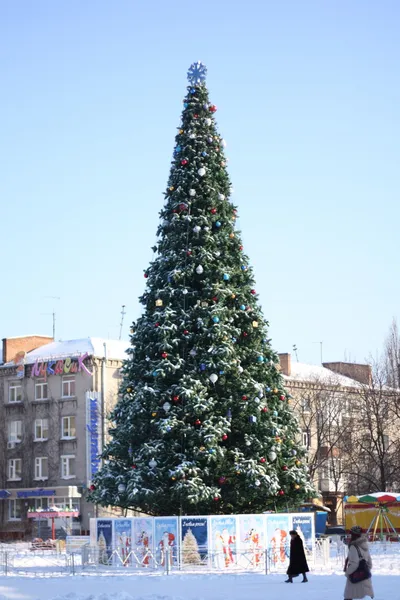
(233, 296)
(298, 463)
(255, 324)
(231, 235)
(297, 487)
(173, 478)
(171, 189)
(129, 390)
(159, 302)
(153, 414)
(181, 131)
(202, 448)
(275, 390)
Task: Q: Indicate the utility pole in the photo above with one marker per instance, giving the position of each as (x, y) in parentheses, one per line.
(295, 352)
(123, 313)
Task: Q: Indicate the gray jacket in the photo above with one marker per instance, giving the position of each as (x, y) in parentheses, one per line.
(364, 588)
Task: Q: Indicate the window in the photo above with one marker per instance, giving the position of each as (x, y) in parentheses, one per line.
(14, 469)
(305, 405)
(41, 390)
(67, 467)
(62, 503)
(14, 432)
(41, 431)
(305, 434)
(41, 469)
(68, 387)
(68, 429)
(42, 503)
(14, 510)
(15, 392)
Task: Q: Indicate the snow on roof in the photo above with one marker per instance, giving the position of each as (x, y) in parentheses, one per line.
(316, 373)
(114, 349)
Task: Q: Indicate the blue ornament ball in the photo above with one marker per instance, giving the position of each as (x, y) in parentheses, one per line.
(218, 224)
(202, 367)
(178, 148)
(168, 428)
(242, 307)
(267, 389)
(260, 359)
(234, 340)
(216, 319)
(192, 90)
(204, 154)
(205, 106)
(185, 104)
(221, 372)
(294, 452)
(211, 451)
(226, 277)
(155, 373)
(210, 140)
(244, 268)
(275, 413)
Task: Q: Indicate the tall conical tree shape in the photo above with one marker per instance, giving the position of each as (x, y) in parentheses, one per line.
(203, 424)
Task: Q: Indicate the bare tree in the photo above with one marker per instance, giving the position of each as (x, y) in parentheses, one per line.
(372, 457)
(391, 356)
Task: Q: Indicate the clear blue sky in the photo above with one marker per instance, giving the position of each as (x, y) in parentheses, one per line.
(308, 96)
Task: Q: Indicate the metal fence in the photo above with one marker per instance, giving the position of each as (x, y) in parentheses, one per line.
(323, 557)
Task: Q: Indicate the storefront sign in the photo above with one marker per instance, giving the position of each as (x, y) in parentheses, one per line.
(36, 493)
(53, 514)
(4, 494)
(92, 434)
(65, 366)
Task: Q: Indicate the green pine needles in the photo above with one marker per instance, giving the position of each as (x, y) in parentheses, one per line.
(203, 423)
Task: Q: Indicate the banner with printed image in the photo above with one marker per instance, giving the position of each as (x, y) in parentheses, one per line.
(166, 540)
(223, 542)
(142, 543)
(304, 527)
(194, 541)
(123, 542)
(251, 542)
(278, 541)
(104, 541)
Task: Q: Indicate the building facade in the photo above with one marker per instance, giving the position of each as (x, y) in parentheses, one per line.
(54, 402)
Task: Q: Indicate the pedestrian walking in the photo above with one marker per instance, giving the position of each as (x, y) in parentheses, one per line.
(298, 562)
(358, 567)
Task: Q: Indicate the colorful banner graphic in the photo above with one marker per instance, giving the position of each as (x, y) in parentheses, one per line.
(166, 540)
(123, 541)
(303, 526)
(278, 540)
(223, 542)
(251, 541)
(143, 540)
(104, 540)
(194, 545)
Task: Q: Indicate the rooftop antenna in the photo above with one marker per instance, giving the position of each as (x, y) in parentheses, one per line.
(295, 352)
(320, 345)
(123, 313)
(53, 314)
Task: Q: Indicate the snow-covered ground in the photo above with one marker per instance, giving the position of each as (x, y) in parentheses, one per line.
(187, 587)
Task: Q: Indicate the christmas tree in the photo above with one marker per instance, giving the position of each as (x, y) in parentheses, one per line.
(190, 549)
(203, 424)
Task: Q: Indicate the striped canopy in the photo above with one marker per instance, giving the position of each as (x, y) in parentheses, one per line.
(377, 498)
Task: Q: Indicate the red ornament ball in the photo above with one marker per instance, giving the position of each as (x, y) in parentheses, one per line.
(189, 253)
(281, 493)
(284, 468)
(240, 247)
(185, 332)
(265, 409)
(262, 460)
(157, 325)
(253, 292)
(222, 480)
(196, 116)
(215, 299)
(146, 275)
(175, 398)
(244, 397)
(164, 355)
(245, 334)
(184, 162)
(133, 466)
(282, 397)
(216, 499)
(213, 211)
(213, 108)
(92, 488)
(224, 437)
(197, 422)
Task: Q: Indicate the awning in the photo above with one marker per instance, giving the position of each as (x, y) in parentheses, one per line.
(4, 494)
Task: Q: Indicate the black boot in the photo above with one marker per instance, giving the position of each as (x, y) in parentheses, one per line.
(289, 580)
(305, 580)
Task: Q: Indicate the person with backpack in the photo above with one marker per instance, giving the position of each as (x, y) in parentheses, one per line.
(358, 567)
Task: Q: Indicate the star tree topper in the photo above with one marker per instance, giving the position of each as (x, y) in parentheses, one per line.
(197, 73)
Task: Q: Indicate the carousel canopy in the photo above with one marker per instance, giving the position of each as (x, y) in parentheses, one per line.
(376, 498)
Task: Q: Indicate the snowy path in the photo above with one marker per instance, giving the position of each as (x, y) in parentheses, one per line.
(189, 587)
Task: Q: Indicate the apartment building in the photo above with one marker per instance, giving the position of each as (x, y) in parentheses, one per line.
(54, 401)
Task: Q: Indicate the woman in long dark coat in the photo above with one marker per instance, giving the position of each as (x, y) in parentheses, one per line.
(298, 562)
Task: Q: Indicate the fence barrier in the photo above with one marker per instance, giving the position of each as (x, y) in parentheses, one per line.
(90, 560)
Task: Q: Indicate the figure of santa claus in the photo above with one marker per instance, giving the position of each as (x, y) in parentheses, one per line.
(166, 544)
